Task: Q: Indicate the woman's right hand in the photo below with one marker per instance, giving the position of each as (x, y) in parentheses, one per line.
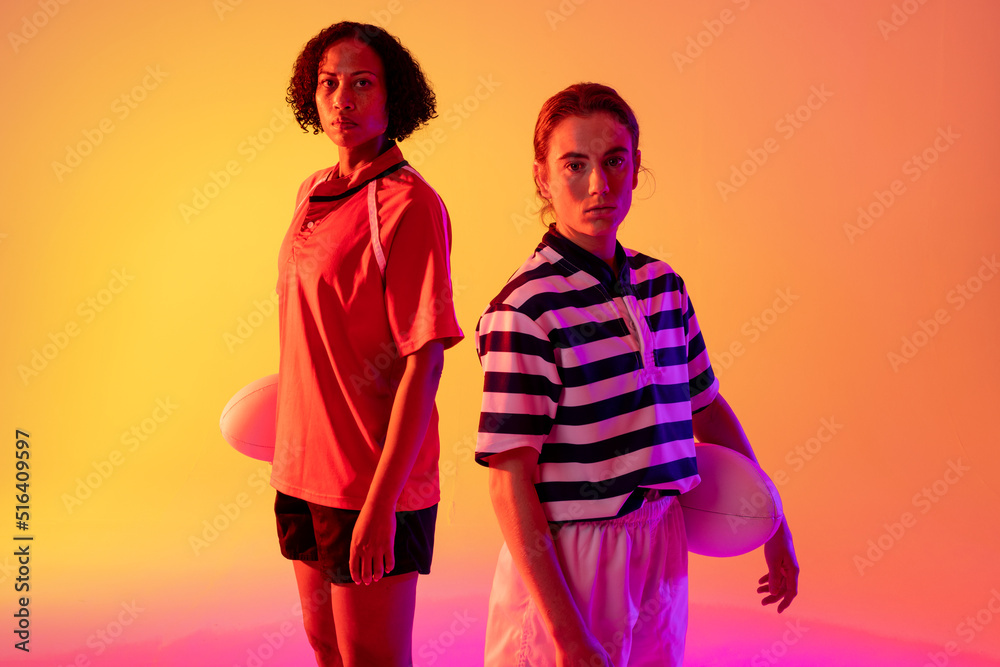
(583, 652)
(529, 539)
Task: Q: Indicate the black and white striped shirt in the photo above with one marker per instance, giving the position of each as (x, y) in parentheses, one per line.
(598, 373)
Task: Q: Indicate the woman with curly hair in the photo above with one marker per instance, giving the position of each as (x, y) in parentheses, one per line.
(366, 312)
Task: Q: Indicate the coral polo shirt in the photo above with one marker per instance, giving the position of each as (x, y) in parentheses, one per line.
(345, 329)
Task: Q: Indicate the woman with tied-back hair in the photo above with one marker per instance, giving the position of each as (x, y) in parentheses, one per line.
(366, 313)
(597, 381)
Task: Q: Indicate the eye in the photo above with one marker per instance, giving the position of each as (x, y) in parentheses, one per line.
(574, 166)
(327, 83)
(362, 83)
(616, 161)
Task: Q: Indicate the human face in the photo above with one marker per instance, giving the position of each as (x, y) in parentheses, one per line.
(589, 174)
(350, 98)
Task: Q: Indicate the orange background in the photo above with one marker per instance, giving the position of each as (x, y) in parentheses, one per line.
(713, 84)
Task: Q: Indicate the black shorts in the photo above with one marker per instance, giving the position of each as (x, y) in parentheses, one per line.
(307, 531)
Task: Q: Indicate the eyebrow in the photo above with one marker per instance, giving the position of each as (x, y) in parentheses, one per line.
(571, 154)
(360, 71)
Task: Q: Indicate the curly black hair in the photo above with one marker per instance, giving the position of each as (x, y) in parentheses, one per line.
(410, 102)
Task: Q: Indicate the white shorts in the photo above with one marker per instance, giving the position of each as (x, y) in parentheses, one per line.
(628, 577)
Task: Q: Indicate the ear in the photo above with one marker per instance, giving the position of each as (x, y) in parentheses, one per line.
(635, 172)
(541, 180)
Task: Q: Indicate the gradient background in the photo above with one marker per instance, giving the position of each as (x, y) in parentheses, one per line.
(121, 560)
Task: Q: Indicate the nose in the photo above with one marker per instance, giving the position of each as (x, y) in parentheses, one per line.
(598, 181)
(342, 97)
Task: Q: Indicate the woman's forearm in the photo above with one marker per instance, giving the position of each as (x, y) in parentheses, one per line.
(411, 413)
(718, 425)
(526, 531)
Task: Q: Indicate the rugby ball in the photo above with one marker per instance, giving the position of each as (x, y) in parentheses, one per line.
(734, 509)
(248, 420)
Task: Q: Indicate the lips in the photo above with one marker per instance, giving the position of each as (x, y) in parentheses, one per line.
(343, 123)
(599, 209)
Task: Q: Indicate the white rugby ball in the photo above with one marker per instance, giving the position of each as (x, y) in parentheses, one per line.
(735, 509)
(248, 420)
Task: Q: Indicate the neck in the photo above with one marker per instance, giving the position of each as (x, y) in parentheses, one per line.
(603, 246)
(353, 156)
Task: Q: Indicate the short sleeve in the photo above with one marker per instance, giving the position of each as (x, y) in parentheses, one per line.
(702, 383)
(521, 387)
(418, 290)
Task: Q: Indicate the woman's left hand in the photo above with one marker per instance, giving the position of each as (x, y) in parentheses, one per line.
(372, 544)
(781, 583)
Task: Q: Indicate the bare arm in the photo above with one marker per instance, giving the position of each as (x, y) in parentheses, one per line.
(526, 531)
(718, 425)
(372, 541)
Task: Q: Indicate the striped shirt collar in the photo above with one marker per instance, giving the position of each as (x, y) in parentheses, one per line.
(585, 260)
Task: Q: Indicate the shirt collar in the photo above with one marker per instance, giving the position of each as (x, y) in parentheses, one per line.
(589, 262)
(364, 172)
